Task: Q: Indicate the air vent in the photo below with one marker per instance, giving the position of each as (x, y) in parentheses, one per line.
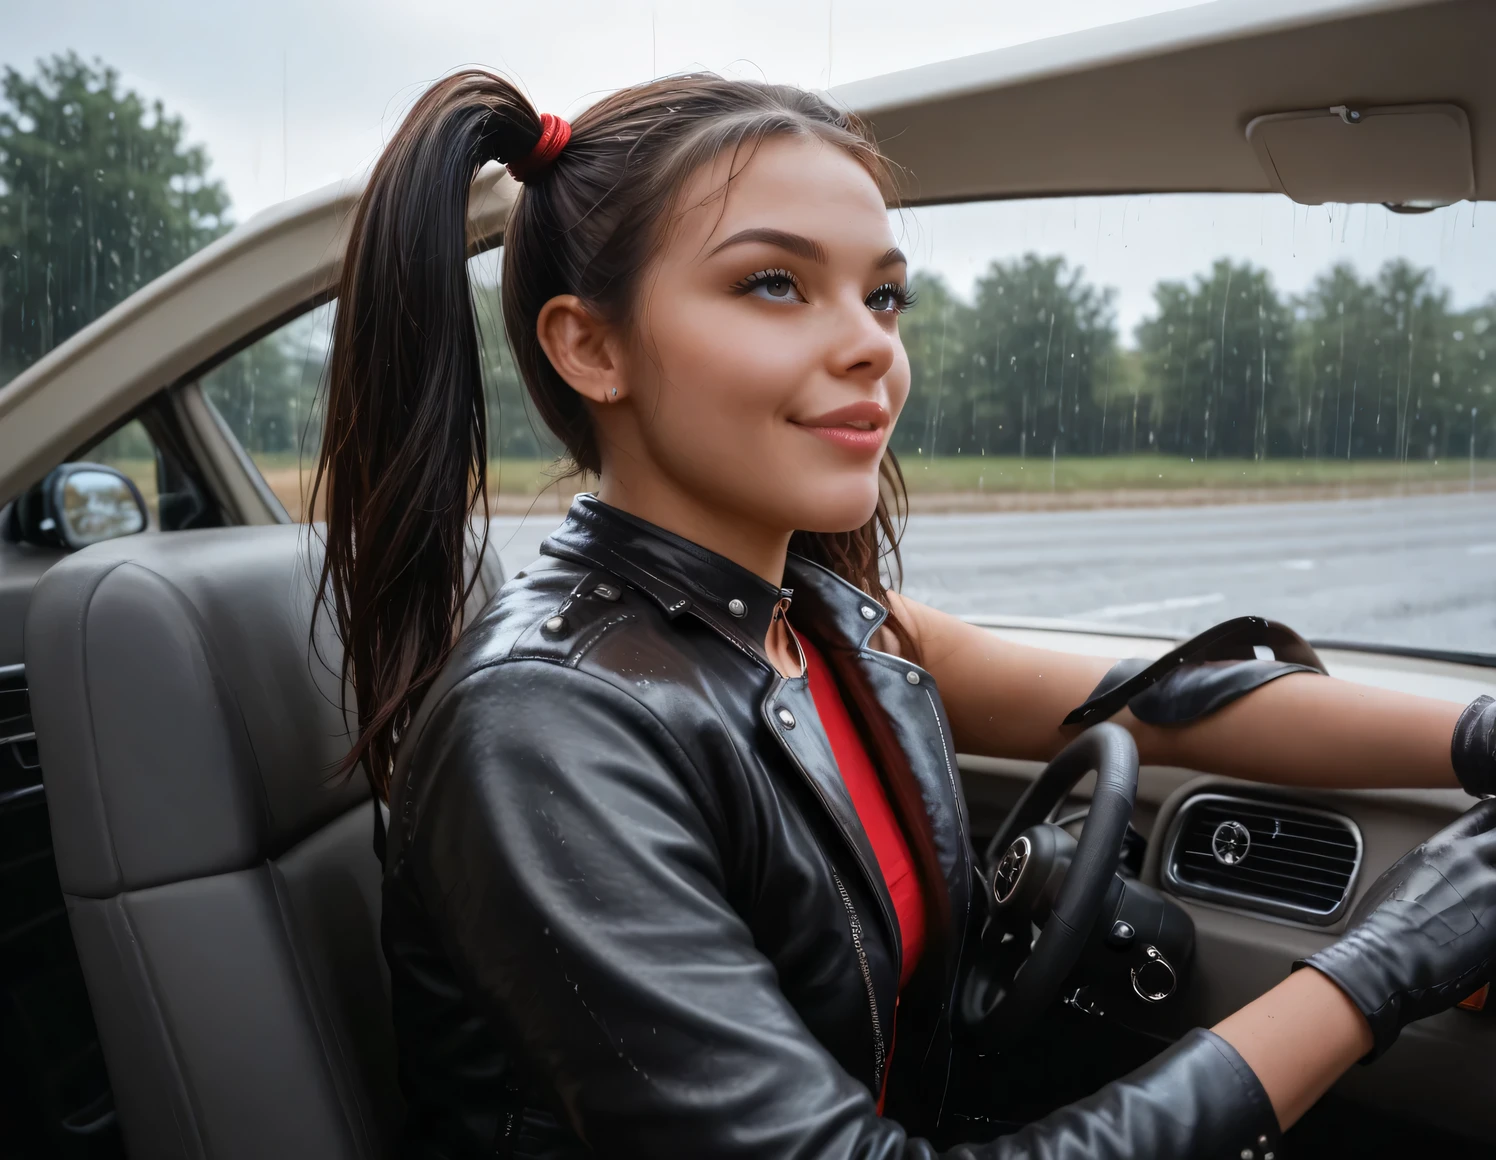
(1291, 861)
(20, 770)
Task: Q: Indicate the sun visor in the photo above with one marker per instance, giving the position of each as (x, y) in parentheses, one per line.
(1399, 154)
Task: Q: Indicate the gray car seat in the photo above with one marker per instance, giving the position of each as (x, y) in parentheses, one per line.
(221, 885)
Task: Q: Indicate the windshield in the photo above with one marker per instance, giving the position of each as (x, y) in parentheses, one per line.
(1160, 411)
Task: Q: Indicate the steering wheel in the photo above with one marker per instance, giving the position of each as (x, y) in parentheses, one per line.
(1011, 983)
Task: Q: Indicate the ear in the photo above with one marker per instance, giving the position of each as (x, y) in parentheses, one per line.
(583, 348)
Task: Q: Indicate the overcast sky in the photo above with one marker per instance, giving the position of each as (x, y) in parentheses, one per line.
(291, 94)
(288, 95)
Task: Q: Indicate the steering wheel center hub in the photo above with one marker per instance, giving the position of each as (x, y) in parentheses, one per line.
(1009, 870)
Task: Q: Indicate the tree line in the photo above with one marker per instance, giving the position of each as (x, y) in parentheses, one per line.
(99, 194)
(1225, 366)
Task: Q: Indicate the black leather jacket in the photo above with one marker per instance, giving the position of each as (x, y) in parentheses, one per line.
(629, 908)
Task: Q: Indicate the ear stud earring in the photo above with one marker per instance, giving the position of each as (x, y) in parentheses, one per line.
(615, 392)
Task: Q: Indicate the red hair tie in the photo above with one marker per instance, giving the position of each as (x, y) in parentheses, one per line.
(554, 134)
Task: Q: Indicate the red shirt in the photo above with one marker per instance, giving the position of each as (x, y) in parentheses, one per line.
(872, 805)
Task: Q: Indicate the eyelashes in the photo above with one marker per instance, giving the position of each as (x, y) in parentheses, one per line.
(781, 285)
(900, 297)
(771, 280)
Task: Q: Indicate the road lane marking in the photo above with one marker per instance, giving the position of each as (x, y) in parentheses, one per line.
(1119, 611)
(1481, 550)
(1299, 565)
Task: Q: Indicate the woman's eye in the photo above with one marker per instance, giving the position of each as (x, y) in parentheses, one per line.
(778, 285)
(890, 298)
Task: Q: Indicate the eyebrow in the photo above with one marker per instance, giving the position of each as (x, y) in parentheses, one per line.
(797, 244)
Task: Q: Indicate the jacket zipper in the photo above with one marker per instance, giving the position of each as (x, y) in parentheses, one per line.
(871, 873)
(879, 1058)
(880, 1055)
(945, 751)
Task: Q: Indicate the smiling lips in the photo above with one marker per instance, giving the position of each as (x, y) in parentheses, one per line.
(858, 427)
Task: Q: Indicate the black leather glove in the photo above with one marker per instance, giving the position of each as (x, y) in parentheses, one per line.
(1424, 936)
(1198, 1099)
(1472, 752)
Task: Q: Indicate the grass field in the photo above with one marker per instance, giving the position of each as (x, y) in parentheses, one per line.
(1133, 472)
(514, 483)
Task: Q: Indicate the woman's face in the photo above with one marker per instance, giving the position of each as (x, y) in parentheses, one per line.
(765, 371)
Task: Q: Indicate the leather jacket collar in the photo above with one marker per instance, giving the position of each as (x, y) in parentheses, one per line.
(683, 577)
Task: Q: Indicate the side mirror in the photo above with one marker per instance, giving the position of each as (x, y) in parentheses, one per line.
(79, 504)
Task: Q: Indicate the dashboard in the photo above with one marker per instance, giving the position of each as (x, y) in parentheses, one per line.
(1270, 874)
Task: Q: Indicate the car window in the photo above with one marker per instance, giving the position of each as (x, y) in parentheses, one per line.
(1154, 412)
(268, 395)
(524, 474)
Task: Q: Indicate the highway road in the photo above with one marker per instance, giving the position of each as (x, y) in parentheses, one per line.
(1415, 570)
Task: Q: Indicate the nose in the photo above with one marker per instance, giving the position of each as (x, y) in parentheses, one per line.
(862, 346)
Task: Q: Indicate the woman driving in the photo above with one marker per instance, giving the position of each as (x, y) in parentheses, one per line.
(678, 862)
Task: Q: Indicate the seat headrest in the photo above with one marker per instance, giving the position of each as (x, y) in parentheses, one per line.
(188, 723)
